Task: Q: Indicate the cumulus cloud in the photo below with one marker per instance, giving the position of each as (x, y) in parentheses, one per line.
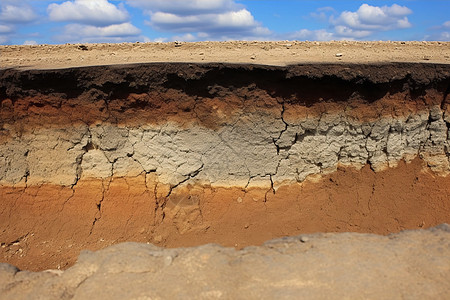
(94, 21)
(312, 35)
(186, 8)
(349, 33)
(90, 12)
(231, 21)
(116, 30)
(361, 24)
(322, 13)
(13, 13)
(30, 43)
(444, 36)
(90, 33)
(202, 19)
(6, 29)
(370, 19)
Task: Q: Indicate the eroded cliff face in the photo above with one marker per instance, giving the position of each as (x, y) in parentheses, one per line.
(183, 154)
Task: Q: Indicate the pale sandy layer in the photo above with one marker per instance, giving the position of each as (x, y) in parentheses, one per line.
(270, 53)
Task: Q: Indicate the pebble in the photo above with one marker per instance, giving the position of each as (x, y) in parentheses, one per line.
(168, 260)
(304, 239)
(253, 57)
(339, 54)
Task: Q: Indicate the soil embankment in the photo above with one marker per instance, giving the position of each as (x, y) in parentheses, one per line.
(188, 154)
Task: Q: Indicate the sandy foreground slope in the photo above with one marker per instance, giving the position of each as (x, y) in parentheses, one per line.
(408, 265)
(271, 53)
(334, 148)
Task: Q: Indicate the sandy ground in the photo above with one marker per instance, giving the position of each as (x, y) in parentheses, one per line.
(271, 53)
(408, 265)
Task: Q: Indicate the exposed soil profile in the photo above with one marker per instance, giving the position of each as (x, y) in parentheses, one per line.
(186, 154)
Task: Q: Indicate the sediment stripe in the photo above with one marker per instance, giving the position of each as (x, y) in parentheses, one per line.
(255, 150)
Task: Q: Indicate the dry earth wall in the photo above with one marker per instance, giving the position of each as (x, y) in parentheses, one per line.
(183, 154)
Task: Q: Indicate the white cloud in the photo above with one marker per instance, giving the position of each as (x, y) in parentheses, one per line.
(94, 21)
(322, 13)
(188, 37)
(312, 35)
(90, 12)
(353, 25)
(445, 36)
(30, 43)
(232, 21)
(11, 13)
(185, 8)
(202, 19)
(370, 19)
(6, 28)
(439, 33)
(14, 14)
(88, 33)
(347, 32)
(116, 30)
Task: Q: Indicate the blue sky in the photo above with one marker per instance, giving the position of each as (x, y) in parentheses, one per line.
(84, 21)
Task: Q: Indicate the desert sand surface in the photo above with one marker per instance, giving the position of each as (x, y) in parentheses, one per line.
(271, 53)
